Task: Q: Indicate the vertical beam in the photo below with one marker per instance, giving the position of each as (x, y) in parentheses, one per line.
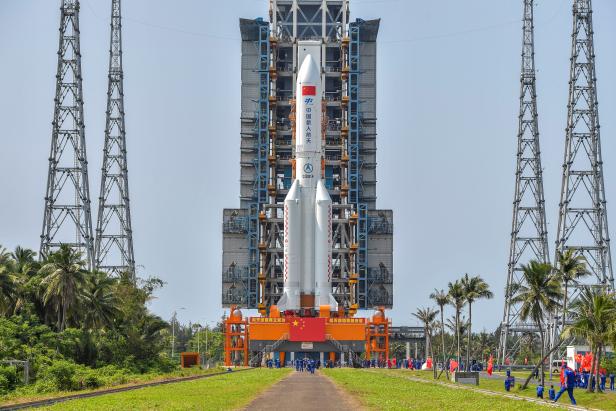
(260, 194)
(67, 218)
(324, 10)
(114, 234)
(361, 236)
(528, 227)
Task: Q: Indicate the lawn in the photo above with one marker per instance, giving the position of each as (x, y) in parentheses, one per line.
(225, 392)
(28, 393)
(599, 401)
(389, 390)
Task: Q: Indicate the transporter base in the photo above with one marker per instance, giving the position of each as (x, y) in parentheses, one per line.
(330, 338)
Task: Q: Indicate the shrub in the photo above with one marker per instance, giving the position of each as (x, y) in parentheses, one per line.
(60, 374)
(91, 380)
(8, 379)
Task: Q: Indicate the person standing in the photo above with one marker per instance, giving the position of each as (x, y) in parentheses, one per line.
(552, 393)
(612, 381)
(540, 391)
(603, 378)
(569, 384)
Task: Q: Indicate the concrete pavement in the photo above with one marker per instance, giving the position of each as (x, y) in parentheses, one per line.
(302, 391)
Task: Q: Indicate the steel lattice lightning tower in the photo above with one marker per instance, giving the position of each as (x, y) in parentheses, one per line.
(582, 220)
(528, 232)
(67, 218)
(114, 238)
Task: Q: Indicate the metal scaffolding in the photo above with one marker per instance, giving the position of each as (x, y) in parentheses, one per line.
(582, 219)
(252, 264)
(528, 228)
(114, 236)
(67, 218)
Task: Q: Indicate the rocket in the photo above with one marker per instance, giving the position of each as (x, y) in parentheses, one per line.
(308, 207)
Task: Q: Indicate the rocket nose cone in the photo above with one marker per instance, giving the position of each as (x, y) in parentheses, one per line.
(293, 193)
(308, 71)
(322, 194)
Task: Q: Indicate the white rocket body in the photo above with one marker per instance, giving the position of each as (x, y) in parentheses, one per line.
(307, 207)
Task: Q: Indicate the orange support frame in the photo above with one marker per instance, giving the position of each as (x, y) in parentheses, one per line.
(377, 336)
(236, 337)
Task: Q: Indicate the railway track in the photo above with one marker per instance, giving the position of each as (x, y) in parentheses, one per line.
(51, 401)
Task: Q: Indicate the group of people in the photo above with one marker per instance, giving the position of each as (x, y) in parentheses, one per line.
(571, 379)
(307, 364)
(568, 383)
(273, 363)
(407, 363)
(584, 378)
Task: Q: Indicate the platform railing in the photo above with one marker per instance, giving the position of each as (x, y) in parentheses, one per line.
(258, 357)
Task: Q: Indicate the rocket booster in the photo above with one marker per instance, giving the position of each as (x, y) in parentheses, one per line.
(307, 206)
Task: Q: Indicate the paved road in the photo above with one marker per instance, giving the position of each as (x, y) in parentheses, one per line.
(302, 391)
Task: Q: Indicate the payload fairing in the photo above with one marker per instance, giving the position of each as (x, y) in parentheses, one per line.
(308, 206)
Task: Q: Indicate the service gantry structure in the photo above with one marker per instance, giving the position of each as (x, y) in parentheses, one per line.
(528, 228)
(67, 217)
(253, 234)
(113, 251)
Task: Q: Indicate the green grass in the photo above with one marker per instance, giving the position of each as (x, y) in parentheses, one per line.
(28, 393)
(388, 390)
(605, 401)
(225, 392)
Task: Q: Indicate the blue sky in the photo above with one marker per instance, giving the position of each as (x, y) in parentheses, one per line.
(448, 85)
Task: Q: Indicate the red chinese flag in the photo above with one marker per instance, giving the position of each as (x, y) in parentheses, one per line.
(453, 365)
(306, 329)
(309, 90)
(578, 358)
(490, 365)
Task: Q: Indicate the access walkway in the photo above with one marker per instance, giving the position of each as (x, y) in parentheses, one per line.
(302, 391)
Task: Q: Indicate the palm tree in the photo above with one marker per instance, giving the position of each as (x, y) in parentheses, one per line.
(594, 316)
(23, 256)
(7, 283)
(475, 288)
(457, 299)
(24, 267)
(462, 325)
(441, 298)
(539, 293)
(484, 345)
(64, 279)
(427, 317)
(571, 268)
(100, 298)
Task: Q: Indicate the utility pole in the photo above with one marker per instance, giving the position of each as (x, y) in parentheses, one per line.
(114, 235)
(67, 218)
(174, 320)
(528, 227)
(582, 220)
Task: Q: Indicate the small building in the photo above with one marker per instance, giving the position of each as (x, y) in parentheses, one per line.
(190, 359)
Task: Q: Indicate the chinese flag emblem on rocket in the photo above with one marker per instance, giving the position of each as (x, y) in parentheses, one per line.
(306, 329)
(309, 90)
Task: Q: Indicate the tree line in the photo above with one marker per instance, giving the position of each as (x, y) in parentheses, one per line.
(541, 294)
(54, 310)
